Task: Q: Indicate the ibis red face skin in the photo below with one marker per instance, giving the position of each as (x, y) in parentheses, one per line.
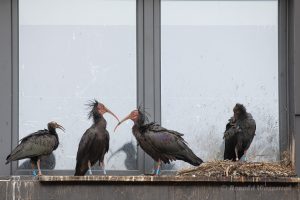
(102, 109)
(134, 116)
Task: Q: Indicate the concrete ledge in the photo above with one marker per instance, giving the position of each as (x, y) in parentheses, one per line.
(170, 179)
(146, 188)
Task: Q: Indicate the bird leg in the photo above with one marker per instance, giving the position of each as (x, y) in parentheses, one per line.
(33, 168)
(102, 167)
(245, 156)
(90, 168)
(157, 170)
(236, 154)
(39, 167)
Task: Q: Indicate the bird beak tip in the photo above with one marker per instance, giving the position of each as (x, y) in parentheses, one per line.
(117, 126)
(110, 112)
(61, 128)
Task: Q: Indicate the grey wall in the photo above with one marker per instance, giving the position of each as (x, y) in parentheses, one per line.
(5, 84)
(296, 63)
(296, 21)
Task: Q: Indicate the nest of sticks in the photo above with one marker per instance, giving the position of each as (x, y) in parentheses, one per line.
(221, 168)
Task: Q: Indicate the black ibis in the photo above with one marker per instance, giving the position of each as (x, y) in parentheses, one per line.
(94, 143)
(160, 143)
(239, 133)
(35, 145)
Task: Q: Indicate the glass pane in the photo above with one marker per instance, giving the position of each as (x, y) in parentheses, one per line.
(72, 51)
(224, 52)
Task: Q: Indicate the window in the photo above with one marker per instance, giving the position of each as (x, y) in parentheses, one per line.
(186, 62)
(71, 52)
(213, 55)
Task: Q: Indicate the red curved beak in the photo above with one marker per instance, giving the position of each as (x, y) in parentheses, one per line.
(107, 110)
(123, 120)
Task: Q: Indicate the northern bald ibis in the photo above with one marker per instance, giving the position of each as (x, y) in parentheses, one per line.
(94, 143)
(35, 145)
(239, 133)
(160, 143)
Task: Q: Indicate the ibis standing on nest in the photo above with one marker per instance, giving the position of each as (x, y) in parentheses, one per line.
(239, 133)
(94, 143)
(160, 143)
(35, 145)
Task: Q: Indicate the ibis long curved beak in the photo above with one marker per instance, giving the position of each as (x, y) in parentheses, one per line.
(120, 122)
(61, 127)
(107, 110)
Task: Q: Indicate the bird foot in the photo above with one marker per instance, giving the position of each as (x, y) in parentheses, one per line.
(34, 172)
(155, 172)
(104, 171)
(90, 172)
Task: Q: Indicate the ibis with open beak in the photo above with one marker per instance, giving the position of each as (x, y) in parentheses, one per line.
(94, 143)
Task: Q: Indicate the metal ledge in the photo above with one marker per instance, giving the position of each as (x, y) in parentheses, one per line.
(176, 179)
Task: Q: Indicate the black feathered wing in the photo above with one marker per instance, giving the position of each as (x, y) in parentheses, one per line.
(230, 141)
(241, 139)
(248, 130)
(168, 145)
(34, 145)
(38, 133)
(92, 147)
(85, 144)
(82, 153)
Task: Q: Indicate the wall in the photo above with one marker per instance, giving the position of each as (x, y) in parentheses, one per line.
(158, 188)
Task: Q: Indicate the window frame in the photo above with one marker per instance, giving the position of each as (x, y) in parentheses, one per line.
(285, 82)
(15, 76)
(149, 79)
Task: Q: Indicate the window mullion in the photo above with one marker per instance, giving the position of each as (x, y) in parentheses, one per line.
(151, 30)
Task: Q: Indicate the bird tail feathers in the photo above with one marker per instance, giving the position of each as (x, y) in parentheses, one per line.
(193, 159)
(16, 154)
(7, 159)
(80, 170)
(188, 155)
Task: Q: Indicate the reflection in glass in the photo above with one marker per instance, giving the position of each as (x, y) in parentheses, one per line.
(215, 54)
(72, 52)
